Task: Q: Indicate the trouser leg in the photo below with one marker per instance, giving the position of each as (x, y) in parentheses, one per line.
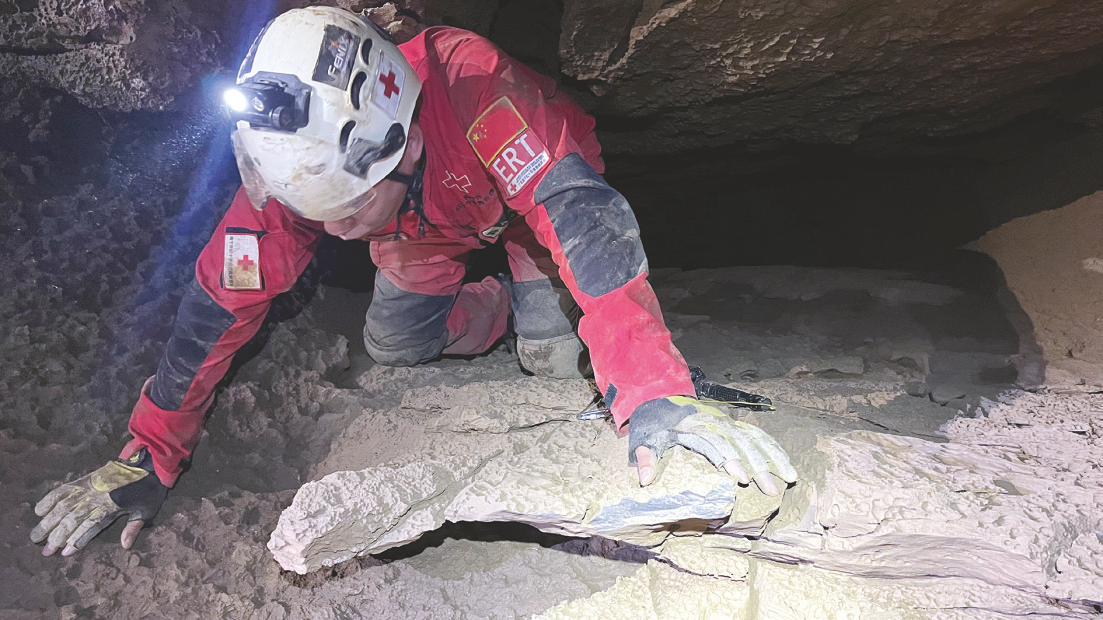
(545, 316)
(420, 309)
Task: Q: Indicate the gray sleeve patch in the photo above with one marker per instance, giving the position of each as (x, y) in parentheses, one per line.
(200, 323)
(595, 225)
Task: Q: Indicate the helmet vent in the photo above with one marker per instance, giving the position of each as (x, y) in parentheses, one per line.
(354, 91)
(346, 131)
(365, 51)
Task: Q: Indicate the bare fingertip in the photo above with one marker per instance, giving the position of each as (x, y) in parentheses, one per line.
(767, 486)
(733, 468)
(48, 550)
(68, 551)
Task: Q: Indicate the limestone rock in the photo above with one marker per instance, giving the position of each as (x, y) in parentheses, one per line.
(1052, 264)
(659, 591)
(847, 365)
(125, 55)
(562, 477)
(352, 513)
(900, 527)
(718, 73)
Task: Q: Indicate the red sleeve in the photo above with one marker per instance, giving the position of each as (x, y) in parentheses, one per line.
(521, 129)
(252, 257)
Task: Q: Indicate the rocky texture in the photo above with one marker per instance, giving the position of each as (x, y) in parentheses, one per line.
(896, 525)
(1004, 518)
(695, 74)
(853, 540)
(127, 55)
(1054, 268)
(670, 77)
(991, 516)
(501, 451)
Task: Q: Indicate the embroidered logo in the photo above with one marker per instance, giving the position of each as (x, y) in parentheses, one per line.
(241, 263)
(455, 182)
(507, 146)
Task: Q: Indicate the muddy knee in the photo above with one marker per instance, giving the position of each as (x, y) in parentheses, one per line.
(403, 353)
(403, 328)
(562, 357)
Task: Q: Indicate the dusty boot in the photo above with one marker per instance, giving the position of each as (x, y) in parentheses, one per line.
(562, 357)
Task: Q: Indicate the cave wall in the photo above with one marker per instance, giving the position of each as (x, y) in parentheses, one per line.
(704, 73)
(1053, 263)
(824, 132)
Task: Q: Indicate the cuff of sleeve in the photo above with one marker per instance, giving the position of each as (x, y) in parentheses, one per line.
(170, 436)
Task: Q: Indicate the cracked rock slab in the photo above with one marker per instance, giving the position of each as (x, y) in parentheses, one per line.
(523, 462)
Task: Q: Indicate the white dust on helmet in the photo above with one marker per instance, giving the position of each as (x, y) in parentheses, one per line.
(328, 101)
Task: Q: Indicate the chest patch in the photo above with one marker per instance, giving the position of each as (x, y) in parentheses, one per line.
(507, 146)
(241, 263)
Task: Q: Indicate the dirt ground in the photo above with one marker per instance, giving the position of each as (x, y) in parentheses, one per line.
(842, 348)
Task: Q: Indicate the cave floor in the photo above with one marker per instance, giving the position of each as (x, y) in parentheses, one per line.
(839, 351)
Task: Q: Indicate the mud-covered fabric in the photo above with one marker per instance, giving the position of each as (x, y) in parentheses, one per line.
(213, 323)
(404, 329)
(500, 130)
(562, 357)
(596, 228)
(476, 168)
(543, 309)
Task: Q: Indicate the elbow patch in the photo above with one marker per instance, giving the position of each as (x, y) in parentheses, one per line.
(595, 225)
(200, 322)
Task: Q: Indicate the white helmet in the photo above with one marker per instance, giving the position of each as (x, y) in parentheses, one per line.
(323, 107)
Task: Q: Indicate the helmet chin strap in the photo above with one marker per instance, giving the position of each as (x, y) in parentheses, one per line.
(413, 183)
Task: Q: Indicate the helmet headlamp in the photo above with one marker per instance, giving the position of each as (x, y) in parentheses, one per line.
(271, 101)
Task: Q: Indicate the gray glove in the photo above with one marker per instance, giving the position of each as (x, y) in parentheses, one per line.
(76, 511)
(737, 447)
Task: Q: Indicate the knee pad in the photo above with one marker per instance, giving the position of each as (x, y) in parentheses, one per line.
(562, 357)
(403, 351)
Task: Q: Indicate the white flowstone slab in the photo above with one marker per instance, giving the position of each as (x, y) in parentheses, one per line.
(1003, 520)
(896, 527)
(506, 451)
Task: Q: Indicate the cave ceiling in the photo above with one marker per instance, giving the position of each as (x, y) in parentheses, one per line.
(661, 76)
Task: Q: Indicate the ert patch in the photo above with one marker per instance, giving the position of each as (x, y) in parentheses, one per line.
(507, 146)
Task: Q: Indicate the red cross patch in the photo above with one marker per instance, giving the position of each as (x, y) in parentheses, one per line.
(387, 92)
(241, 263)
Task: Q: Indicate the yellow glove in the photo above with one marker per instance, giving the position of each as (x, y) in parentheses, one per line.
(75, 512)
(742, 450)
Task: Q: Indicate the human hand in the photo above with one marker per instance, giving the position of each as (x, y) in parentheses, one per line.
(75, 512)
(743, 451)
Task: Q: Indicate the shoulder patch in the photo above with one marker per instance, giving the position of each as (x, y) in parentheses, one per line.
(241, 263)
(507, 146)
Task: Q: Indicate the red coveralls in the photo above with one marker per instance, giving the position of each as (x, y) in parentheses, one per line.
(494, 129)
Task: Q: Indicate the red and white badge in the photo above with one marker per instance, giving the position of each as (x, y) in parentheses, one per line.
(507, 146)
(387, 91)
(241, 263)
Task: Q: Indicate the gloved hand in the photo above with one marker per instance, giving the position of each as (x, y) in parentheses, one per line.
(76, 511)
(736, 446)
